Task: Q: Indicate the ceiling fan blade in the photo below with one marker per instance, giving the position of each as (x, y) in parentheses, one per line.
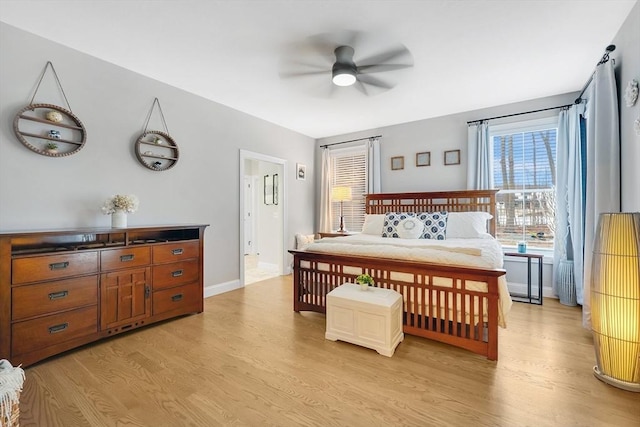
(388, 56)
(373, 81)
(361, 87)
(288, 74)
(381, 68)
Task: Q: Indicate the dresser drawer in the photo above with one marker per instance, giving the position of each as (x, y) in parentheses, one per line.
(39, 333)
(177, 273)
(49, 297)
(185, 299)
(116, 259)
(49, 267)
(175, 252)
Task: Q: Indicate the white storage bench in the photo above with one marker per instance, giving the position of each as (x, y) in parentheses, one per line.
(371, 318)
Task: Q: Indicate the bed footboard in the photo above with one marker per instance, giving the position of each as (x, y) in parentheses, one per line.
(450, 304)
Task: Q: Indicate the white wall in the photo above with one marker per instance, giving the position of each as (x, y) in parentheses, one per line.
(39, 192)
(627, 57)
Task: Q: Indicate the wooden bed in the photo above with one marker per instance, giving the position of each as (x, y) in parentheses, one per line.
(315, 274)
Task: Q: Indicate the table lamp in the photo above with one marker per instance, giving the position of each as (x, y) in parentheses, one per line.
(341, 194)
(615, 300)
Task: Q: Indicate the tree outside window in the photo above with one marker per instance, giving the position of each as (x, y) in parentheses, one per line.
(525, 173)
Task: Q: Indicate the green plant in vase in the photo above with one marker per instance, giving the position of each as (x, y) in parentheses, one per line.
(51, 147)
(364, 280)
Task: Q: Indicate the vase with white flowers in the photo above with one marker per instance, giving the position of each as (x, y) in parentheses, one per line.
(118, 207)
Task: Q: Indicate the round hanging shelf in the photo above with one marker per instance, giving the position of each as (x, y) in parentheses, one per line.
(49, 130)
(156, 150)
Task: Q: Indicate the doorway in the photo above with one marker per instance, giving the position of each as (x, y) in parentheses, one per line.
(262, 217)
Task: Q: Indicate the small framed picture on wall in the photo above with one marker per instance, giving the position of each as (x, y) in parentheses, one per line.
(423, 159)
(452, 157)
(397, 163)
(301, 171)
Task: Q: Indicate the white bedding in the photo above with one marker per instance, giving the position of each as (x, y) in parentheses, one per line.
(481, 252)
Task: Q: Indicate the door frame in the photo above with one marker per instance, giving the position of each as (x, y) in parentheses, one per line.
(283, 199)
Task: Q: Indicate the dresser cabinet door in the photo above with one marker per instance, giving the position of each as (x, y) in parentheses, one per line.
(125, 297)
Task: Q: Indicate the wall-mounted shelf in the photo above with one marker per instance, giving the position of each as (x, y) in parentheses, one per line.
(32, 129)
(156, 150)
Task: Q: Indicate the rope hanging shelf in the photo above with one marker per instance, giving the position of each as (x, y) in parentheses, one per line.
(48, 129)
(156, 150)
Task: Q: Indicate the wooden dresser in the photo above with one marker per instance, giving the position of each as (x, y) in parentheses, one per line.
(60, 289)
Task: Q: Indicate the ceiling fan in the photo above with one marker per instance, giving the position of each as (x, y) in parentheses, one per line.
(342, 67)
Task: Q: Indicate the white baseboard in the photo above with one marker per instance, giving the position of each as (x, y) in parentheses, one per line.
(221, 288)
(267, 266)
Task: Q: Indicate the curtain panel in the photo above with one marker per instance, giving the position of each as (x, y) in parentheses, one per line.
(373, 166)
(568, 241)
(325, 193)
(480, 158)
(602, 166)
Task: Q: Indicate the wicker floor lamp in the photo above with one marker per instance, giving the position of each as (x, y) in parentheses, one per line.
(615, 300)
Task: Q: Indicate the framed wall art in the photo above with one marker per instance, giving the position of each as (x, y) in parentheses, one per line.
(397, 163)
(423, 159)
(452, 157)
(268, 190)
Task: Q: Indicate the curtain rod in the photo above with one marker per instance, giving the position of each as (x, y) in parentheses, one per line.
(603, 60)
(353, 140)
(518, 114)
(578, 100)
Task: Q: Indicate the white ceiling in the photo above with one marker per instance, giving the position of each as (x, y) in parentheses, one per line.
(467, 54)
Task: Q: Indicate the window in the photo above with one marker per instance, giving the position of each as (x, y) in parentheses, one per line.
(349, 169)
(524, 156)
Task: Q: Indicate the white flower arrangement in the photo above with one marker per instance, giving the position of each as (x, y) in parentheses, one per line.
(127, 203)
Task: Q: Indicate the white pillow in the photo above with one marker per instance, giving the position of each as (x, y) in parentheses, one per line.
(467, 225)
(373, 224)
(303, 240)
(410, 228)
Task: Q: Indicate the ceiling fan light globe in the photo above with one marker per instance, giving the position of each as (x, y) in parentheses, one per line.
(344, 78)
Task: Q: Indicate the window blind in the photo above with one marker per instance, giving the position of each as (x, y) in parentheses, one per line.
(349, 169)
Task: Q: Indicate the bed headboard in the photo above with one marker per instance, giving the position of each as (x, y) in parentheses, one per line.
(451, 201)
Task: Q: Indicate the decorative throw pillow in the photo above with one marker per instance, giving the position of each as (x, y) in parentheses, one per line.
(467, 225)
(373, 224)
(435, 225)
(303, 240)
(410, 228)
(391, 222)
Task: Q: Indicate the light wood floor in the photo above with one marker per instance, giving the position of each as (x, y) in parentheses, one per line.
(249, 360)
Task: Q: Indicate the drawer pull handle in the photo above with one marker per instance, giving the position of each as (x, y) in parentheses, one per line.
(177, 273)
(124, 258)
(59, 265)
(176, 298)
(58, 295)
(58, 328)
(177, 251)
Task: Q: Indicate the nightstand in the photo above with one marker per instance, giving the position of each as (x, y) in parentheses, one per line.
(529, 298)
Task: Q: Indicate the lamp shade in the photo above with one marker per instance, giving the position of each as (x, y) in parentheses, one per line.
(615, 300)
(341, 194)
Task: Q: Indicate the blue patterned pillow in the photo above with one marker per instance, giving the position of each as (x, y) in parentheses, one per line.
(391, 222)
(435, 224)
